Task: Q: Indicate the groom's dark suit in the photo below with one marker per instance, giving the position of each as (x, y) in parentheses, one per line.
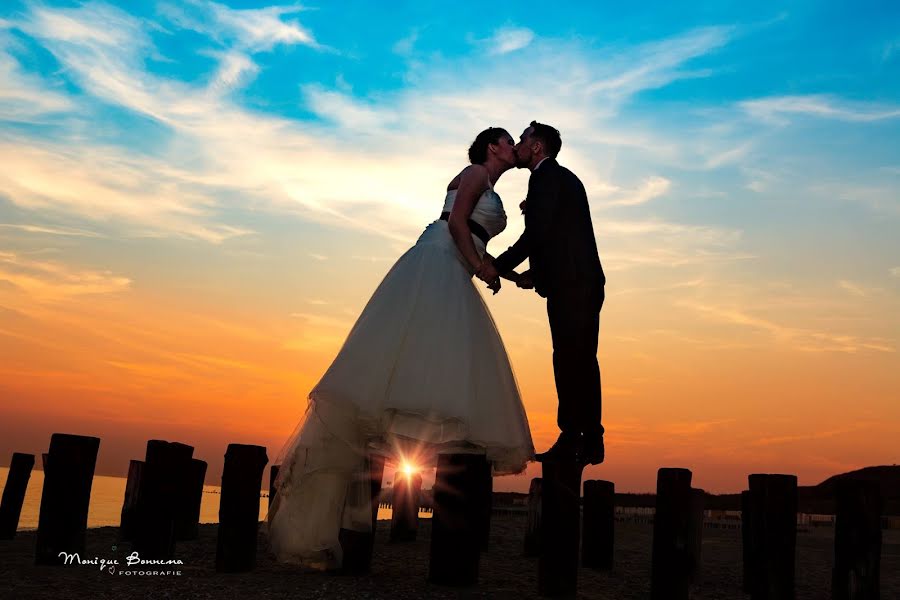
(559, 242)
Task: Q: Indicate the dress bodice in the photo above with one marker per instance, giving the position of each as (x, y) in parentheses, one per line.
(488, 211)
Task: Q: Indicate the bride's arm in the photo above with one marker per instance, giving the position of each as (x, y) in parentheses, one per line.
(473, 182)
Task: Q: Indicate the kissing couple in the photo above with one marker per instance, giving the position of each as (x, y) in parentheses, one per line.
(424, 371)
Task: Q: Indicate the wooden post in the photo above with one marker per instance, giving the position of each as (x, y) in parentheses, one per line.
(68, 476)
(162, 490)
(184, 495)
(670, 567)
(405, 504)
(533, 530)
(14, 493)
(358, 545)
(273, 475)
(857, 541)
(695, 534)
(188, 527)
(560, 528)
(747, 541)
(129, 521)
(597, 537)
(773, 506)
(456, 534)
(239, 508)
(485, 504)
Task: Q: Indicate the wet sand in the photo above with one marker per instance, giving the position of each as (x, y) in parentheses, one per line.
(399, 570)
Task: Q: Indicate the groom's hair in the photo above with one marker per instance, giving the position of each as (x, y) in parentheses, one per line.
(478, 151)
(549, 136)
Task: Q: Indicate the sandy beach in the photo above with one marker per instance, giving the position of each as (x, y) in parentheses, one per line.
(399, 570)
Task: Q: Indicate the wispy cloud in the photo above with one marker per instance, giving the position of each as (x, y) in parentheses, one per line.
(232, 149)
(53, 281)
(658, 63)
(25, 97)
(776, 109)
(895, 271)
(510, 39)
(253, 30)
(404, 46)
(855, 289)
(804, 339)
(802, 437)
(64, 231)
(651, 188)
(151, 198)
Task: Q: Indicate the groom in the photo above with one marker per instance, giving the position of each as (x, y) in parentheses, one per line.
(565, 269)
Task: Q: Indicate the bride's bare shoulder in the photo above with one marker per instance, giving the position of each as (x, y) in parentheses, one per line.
(473, 171)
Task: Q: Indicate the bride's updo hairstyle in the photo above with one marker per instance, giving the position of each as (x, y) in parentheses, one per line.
(478, 151)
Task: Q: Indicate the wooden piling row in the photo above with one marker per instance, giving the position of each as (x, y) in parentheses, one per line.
(857, 541)
(533, 528)
(772, 503)
(670, 569)
(14, 493)
(162, 493)
(163, 496)
(407, 492)
(560, 528)
(68, 476)
(598, 527)
(456, 526)
(239, 508)
(358, 546)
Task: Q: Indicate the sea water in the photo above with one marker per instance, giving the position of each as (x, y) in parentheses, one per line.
(108, 494)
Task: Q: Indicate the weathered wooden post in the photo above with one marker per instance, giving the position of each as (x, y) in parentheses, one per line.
(358, 545)
(456, 533)
(184, 495)
(773, 509)
(485, 504)
(670, 569)
(695, 534)
(747, 542)
(14, 493)
(68, 476)
(405, 513)
(598, 526)
(273, 475)
(857, 541)
(130, 515)
(560, 528)
(187, 526)
(239, 508)
(533, 530)
(161, 493)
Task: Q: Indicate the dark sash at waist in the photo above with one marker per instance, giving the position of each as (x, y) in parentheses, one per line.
(474, 227)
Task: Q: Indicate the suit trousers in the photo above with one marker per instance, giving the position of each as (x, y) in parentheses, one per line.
(574, 315)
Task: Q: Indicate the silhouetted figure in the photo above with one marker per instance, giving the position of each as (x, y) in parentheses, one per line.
(565, 269)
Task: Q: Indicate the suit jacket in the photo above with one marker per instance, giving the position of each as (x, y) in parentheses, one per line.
(559, 237)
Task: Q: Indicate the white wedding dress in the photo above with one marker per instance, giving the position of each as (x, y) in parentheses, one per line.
(423, 371)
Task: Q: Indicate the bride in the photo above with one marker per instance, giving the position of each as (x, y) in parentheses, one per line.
(423, 371)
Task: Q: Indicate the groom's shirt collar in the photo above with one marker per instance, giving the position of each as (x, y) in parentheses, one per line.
(538, 166)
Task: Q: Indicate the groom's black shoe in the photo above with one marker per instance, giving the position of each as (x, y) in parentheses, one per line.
(592, 450)
(566, 448)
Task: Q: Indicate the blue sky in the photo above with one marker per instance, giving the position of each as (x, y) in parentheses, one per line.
(742, 161)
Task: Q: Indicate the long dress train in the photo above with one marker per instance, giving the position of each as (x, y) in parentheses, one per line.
(422, 371)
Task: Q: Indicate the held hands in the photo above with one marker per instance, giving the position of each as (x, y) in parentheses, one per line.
(488, 274)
